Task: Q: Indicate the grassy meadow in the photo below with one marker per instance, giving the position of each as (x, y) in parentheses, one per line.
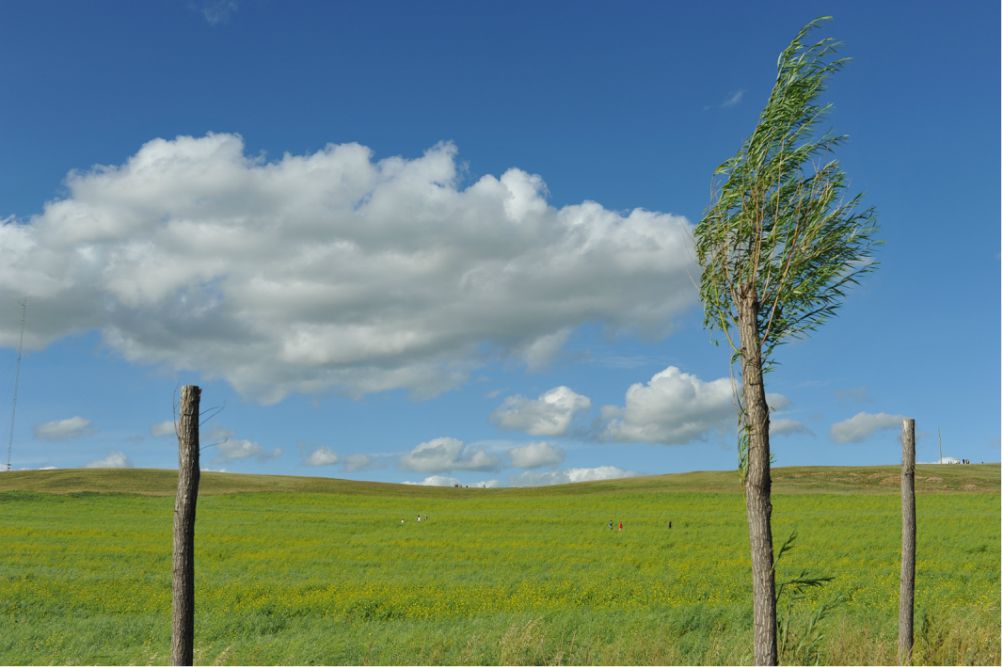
(306, 570)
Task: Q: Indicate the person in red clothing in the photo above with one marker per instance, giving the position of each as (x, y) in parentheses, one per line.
(621, 525)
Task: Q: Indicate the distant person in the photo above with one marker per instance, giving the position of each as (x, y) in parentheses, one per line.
(610, 524)
(621, 525)
(669, 525)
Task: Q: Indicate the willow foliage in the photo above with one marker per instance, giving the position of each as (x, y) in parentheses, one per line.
(781, 228)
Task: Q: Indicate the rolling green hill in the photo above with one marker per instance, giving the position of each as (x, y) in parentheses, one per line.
(293, 570)
(984, 478)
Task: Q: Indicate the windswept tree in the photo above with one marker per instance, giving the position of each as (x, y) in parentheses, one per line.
(778, 246)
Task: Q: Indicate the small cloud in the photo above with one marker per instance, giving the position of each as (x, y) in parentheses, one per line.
(535, 455)
(218, 12)
(163, 429)
(777, 402)
(787, 427)
(63, 429)
(446, 454)
(813, 384)
(218, 434)
(946, 460)
(322, 456)
(112, 460)
(354, 462)
(571, 476)
(853, 395)
(622, 362)
(862, 425)
(550, 414)
(733, 100)
(238, 450)
(436, 480)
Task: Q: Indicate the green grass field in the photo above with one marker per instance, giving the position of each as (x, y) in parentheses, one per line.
(307, 570)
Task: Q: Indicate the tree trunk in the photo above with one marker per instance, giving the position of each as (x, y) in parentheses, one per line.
(906, 603)
(758, 484)
(183, 622)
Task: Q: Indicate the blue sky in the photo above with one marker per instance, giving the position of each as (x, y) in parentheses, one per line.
(449, 242)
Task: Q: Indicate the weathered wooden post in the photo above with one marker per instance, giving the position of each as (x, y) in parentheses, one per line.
(906, 603)
(183, 620)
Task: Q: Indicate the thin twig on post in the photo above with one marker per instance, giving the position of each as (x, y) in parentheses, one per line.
(906, 603)
(183, 620)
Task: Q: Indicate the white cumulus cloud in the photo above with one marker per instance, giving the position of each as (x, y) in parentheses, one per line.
(864, 424)
(322, 456)
(535, 455)
(332, 270)
(570, 476)
(675, 407)
(112, 460)
(672, 408)
(550, 414)
(447, 454)
(63, 429)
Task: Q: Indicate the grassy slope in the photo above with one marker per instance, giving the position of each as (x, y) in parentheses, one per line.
(315, 570)
(983, 478)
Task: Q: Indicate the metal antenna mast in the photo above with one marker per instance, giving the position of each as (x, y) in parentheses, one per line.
(17, 380)
(940, 431)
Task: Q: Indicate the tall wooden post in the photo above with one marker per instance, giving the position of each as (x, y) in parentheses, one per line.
(906, 603)
(183, 620)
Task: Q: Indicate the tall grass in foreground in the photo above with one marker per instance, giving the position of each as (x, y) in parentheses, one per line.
(492, 577)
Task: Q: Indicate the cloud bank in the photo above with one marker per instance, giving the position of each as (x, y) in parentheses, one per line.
(331, 270)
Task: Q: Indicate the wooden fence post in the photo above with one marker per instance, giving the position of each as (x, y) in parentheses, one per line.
(906, 603)
(183, 620)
